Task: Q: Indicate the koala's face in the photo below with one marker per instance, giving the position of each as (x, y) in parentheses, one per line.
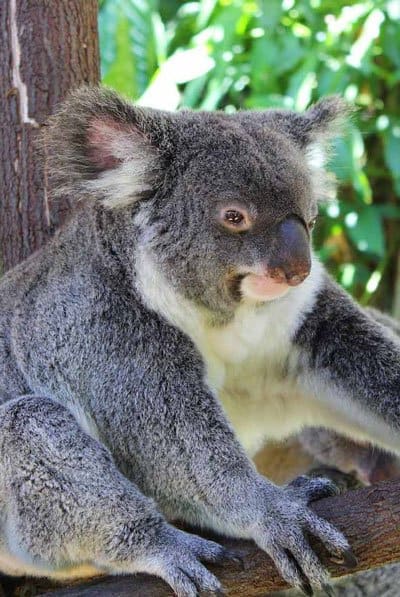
(235, 223)
(224, 204)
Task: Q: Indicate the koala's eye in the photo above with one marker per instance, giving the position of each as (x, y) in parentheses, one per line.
(312, 223)
(235, 219)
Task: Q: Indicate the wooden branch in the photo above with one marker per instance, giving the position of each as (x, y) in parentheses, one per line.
(369, 517)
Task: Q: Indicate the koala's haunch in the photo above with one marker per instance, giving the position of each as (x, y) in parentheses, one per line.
(155, 344)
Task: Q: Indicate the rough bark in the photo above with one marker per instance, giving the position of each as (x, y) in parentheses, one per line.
(46, 48)
(369, 517)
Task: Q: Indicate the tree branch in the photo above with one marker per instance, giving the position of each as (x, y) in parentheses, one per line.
(369, 517)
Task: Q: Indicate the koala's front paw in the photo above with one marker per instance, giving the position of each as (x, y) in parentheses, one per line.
(176, 557)
(283, 533)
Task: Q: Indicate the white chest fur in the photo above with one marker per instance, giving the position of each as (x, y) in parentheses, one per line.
(246, 365)
(248, 361)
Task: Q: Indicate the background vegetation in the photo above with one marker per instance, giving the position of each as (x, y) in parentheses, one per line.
(230, 54)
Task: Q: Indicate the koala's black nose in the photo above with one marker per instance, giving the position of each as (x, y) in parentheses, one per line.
(291, 259)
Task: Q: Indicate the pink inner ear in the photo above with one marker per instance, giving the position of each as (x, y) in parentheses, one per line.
(108, 143)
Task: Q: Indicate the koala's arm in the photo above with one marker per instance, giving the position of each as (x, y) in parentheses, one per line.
(168, 429)
(67, 511)
(351, 363)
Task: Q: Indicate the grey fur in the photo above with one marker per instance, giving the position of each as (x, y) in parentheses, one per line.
(367, 462)
(105, 400)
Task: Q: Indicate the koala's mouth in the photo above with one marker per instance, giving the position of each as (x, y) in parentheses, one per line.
(255, 287)
(263, 288)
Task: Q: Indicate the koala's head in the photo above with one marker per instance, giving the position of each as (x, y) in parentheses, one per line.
(224, 204)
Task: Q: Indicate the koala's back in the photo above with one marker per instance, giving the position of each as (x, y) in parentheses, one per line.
(29, 289)
(13, 286)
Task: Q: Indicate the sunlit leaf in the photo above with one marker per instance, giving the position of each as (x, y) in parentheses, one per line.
(369, 32)
(186, 65)
(302, 83)
(181, 67)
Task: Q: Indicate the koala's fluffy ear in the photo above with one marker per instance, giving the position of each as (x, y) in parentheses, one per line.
(101, 145)
(321, 122)
(314, 129)
(319, 125)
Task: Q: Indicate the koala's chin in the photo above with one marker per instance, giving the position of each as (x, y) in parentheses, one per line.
(262, 288)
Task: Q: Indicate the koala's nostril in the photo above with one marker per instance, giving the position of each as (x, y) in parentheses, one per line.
(292, 278)
(277, 274)
(296, 278)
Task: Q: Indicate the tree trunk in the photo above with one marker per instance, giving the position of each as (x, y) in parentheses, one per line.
(47, 47)
(369, 517)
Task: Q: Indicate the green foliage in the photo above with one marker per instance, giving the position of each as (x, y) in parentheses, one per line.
(231, 54)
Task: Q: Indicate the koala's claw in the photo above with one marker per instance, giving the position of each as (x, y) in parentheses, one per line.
(306, 589)
(229, 555)
(190, 579)
(329, 590)
(311, 489)
(350, 560)
(176, 557)
(287, 523)
(346, 559)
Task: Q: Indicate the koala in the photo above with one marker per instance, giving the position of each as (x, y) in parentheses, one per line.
(176, 322)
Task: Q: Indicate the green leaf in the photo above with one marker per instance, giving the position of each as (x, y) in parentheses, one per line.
(120, 73)
(302, 83)
(391, 41)
(193, 92)
(367, 233)
(391, 138)
(271, 12)
(108, 23)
